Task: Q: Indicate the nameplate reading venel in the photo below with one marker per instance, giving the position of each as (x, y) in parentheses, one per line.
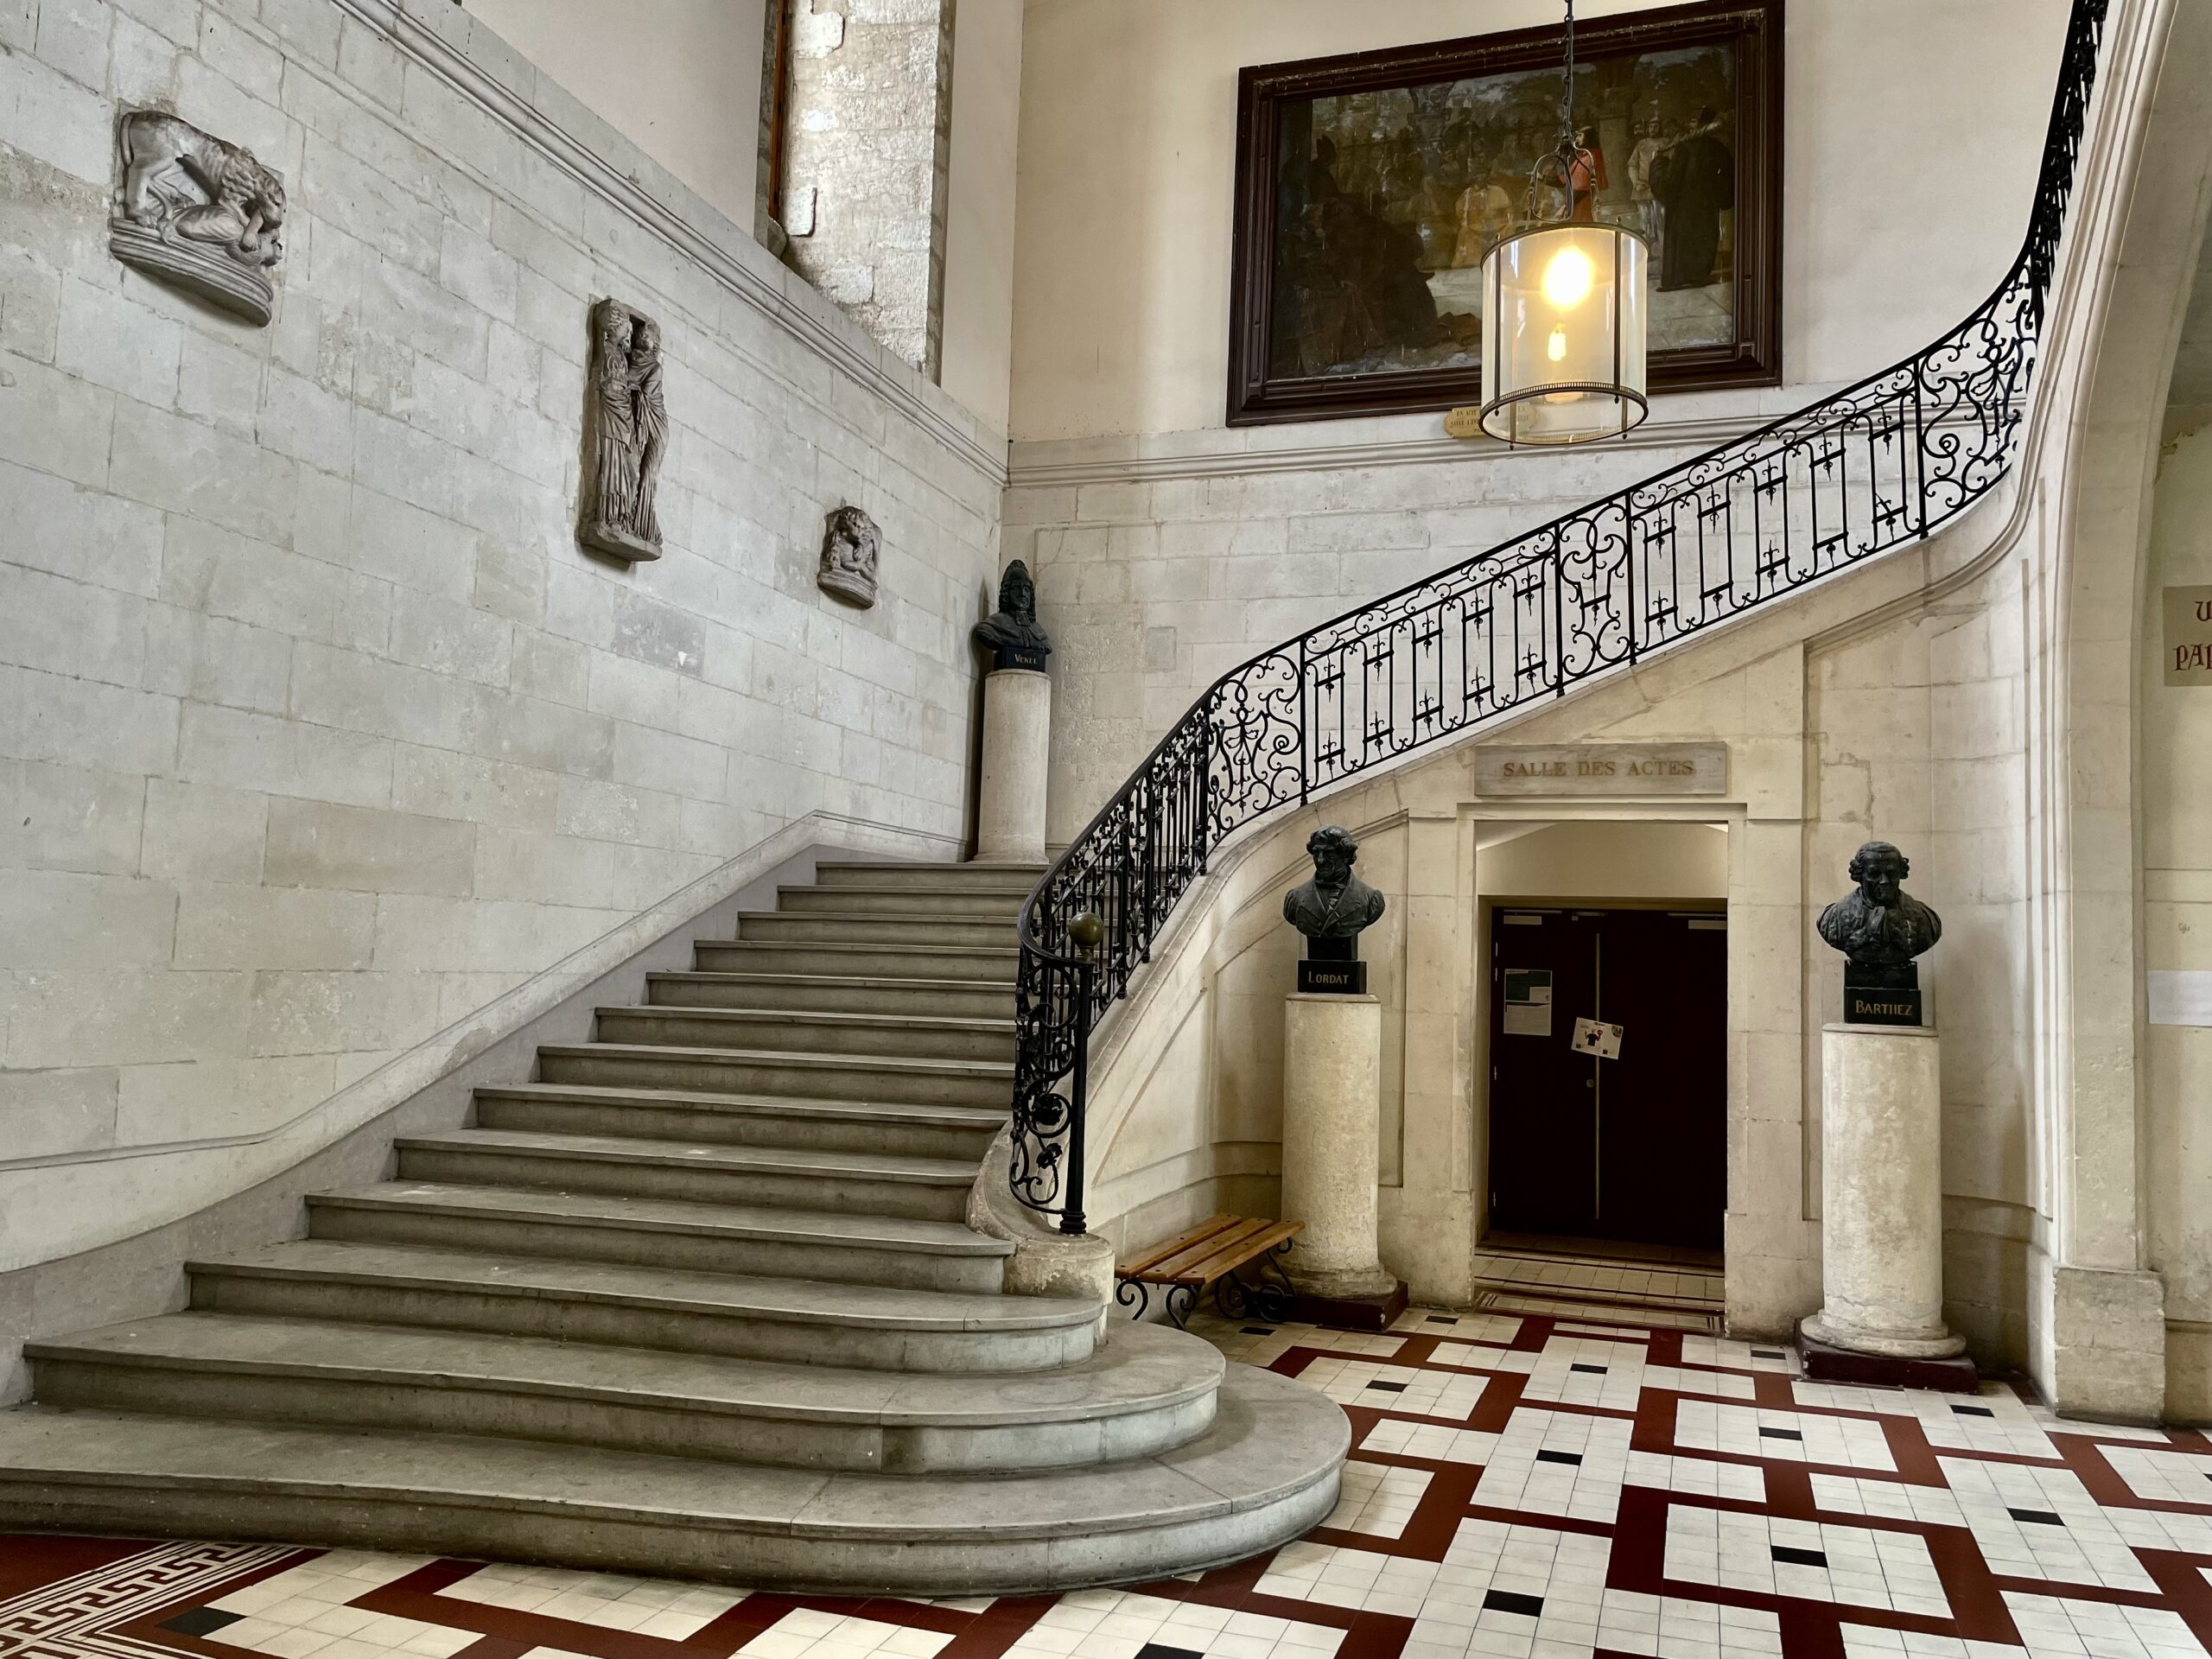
(1601, 768)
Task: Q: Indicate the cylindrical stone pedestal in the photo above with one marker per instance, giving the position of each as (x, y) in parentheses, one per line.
(1882, 1194)
(1332, 1098)
(1017, 736)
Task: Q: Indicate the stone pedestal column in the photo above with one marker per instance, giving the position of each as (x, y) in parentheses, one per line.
(1017, 736)
(1882, 1195)
(1331, 1101)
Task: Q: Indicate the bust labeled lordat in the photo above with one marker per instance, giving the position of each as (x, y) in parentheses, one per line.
(1880, 928)
(1011, 633)
(1336, 906)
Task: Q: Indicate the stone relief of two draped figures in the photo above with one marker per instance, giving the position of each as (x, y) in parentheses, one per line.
(625, 435)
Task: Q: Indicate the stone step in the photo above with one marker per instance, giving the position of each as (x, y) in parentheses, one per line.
(944, 999)
(867, 1182)
(811, 1321)
(1147, 1391)
(1265, 1471)
(909, 1036)
(917, 899)
(798, 1076)
(922, 961)
(962, 1132)
(988, 877)
(780, 927)
(777, 1242)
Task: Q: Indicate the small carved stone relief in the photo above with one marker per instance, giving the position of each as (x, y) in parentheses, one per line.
(850, 546)
(198, 212)
(625, 435)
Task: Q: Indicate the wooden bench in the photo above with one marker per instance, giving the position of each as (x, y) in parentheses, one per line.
(1210, 1253)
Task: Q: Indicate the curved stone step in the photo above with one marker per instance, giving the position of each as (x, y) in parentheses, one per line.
(665, 1233)
(904, 899)
(906, 1036)
(751, 1071)
(810, 1321)
(1147, 1391)
(872, 1183)
(957, 999)
(781, 927)
(962, 1132)
(1264, 1472)
(834, 957)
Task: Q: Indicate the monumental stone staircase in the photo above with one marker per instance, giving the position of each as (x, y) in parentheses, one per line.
(700, 1300)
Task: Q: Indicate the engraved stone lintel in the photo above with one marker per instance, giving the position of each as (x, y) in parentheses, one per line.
(851, 545)
(197, 212)
(1601, 768)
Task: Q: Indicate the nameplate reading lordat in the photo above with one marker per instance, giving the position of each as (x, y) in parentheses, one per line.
(1601, 768)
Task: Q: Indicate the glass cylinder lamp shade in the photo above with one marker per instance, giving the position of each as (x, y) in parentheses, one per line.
(1563, 333)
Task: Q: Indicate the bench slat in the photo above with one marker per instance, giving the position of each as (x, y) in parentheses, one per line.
(1176, 1268)
(1229, 1257)
(1154, 1254)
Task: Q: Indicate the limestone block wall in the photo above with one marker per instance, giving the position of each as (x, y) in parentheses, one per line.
(317, 729)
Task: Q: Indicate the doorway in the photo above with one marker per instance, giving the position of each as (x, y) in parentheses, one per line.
(1587, 1143)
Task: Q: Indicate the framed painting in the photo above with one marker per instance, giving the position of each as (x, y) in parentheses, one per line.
(1369, 185)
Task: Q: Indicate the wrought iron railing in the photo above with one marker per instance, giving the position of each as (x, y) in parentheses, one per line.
(1887, 461)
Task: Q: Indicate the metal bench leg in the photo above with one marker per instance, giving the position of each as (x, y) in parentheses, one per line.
(1181, 1298)
(1137, 1303)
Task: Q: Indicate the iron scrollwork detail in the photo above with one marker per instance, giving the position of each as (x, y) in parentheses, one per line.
(1885, 462)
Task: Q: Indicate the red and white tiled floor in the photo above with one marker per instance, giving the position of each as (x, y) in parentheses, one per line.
(1529, 1487)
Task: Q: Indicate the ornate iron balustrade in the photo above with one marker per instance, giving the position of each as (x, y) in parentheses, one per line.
(1887, 461)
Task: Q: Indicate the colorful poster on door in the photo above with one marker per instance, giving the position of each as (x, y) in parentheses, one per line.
(1596, 1037)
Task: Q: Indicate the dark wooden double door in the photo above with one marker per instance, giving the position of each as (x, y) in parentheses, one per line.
(1633, 1148)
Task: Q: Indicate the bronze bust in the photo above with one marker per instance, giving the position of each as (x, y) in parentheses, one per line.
(1334, 908)
(1010, 632)
(1880, 928)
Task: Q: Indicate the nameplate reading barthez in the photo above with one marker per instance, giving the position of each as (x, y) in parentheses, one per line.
(2189, 636)
(1601, 768)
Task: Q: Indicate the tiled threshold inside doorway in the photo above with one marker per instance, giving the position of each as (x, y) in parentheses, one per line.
(1534, 1274)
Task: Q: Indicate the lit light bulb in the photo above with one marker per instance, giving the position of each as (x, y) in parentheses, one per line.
(1558, 346)
(1567, 278)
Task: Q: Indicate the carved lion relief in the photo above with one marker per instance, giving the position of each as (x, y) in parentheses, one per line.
(198, 212)
(850, 546)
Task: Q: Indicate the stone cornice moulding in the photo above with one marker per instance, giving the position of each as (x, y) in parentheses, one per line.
(1219, 452)
(832, 337)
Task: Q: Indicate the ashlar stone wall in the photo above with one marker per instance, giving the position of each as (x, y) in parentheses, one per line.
(317, 729)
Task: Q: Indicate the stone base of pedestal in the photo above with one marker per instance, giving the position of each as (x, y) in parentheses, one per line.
(1370, 1311)
(1825, 1363)
(1017, 736)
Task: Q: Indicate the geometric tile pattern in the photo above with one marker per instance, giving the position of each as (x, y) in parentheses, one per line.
(1541, 1487)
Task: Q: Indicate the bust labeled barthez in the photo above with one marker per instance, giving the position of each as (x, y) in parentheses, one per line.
(1336, 905)
(1880, 928)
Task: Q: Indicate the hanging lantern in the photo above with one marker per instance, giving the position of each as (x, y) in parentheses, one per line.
(1563, 306)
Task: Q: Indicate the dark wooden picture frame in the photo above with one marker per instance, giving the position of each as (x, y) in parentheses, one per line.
(1264, 387)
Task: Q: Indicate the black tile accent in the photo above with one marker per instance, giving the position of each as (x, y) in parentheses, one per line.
(1259, 1330)
(1161, 1650)
(1768, 1353)
(1974, 1411)
(1780, 1434)
(1559, 1457)
(1594, 1370)
(201, 1621)
(1800, 1557)
(1442, 1318)
(2041, 1517)
(1388, 1388)
(1509, 1601)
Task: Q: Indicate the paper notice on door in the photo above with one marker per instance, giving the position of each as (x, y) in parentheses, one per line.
(1527, 1002)
(1596, 1037)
